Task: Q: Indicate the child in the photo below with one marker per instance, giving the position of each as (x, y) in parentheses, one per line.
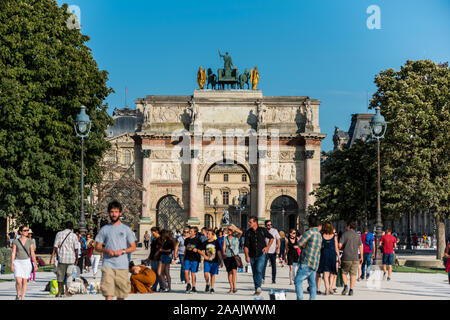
(191, 258)
(212, 253)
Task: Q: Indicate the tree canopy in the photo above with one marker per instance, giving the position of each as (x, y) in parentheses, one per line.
(46, 73)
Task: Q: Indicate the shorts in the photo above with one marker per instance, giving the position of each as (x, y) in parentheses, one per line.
(211, 267)
(63, 270)
(230, 264)
(350, 266)
(115, 283)
(191, 265)
(166, 258)
(388, 259)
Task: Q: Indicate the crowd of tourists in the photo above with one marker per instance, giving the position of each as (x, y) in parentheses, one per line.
(314, 256)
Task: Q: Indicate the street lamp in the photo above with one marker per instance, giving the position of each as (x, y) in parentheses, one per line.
(378, 128)
(240, 207)
(215, 211)
(82, 127)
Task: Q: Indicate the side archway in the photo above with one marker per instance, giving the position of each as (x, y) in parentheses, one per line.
(169, 214)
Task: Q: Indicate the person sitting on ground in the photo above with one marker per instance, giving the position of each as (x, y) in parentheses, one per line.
(142, 278)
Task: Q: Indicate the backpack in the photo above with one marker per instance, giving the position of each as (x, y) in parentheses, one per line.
(369, 240)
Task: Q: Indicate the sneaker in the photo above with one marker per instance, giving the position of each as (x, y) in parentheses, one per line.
(344, 292)
(234, 290)
(166, 290)
(211, 290)
(188, 288)
(350, 293)
(273, 282)
(362, 277)
(194, 290)
(319, 292)
(207, 288)
(335, 290)
(257, 292)
(388, 279)
(359, 279)
(183, 282)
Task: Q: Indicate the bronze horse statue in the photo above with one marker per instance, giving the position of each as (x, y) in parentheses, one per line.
(243, 79)
(212, 79)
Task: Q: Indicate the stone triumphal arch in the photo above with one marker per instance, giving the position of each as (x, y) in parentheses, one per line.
(233, 151)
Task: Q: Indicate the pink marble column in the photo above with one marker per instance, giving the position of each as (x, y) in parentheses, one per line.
(193, 210)
(146, 168)
(261, 212)
(309, 154)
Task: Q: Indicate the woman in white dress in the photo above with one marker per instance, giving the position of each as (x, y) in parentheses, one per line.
(22, 252)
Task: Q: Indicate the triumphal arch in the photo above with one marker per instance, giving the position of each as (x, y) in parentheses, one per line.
(223, 155)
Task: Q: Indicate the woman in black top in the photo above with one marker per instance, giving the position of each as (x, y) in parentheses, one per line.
(168, 245)
(293, 253)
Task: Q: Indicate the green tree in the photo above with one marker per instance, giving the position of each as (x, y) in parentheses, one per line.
(46, 73)
(415, 151)
(348, 190)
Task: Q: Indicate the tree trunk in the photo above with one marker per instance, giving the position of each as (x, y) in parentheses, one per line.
(440, 241)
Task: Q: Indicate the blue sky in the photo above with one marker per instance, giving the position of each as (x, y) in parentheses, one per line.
(321, 48)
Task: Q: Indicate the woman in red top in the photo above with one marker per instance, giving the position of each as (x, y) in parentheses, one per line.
(447, 266)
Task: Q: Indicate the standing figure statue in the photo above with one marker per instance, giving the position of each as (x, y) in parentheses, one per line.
(146, 113)
(201, 77)
(308, 113)
(226, 217)
(227, 64)
(254, 77)
(194, 111)
(261, 108)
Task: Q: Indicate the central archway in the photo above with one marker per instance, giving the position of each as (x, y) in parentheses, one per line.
(224, 184)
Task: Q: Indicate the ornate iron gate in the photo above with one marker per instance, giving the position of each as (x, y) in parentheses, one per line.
(169, 214)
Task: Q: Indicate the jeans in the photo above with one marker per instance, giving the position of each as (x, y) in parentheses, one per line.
(182, 276)
(154, 266)
(257, 269)
(273, 262)
(305, 272)
(367, 261)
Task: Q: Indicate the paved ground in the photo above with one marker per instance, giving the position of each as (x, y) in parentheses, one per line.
(403, 286)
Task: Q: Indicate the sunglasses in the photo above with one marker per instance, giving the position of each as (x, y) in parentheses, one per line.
(268, 225)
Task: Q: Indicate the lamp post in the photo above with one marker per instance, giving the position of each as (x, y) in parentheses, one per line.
(378, 129)
(215, 211)
(240, 207)
(82, 127)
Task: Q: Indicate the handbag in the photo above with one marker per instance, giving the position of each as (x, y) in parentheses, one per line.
(237, 258)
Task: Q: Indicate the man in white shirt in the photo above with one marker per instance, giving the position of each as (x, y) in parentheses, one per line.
(274, 250)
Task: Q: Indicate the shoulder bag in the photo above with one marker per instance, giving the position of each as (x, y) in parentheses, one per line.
(237, 258)
(57, 249)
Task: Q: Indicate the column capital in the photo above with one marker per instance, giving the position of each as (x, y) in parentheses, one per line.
(262, 153)
(146, 153)
(309, 154)
(194, 153)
